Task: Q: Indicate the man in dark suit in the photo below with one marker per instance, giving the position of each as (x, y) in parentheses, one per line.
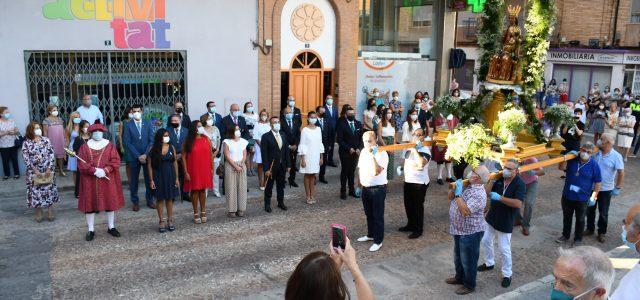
(326, 140)
(178, 109)
(331, 118)
(275, 161)
(349, 136)
(232, 119)
(291, 129)
(297, 115)
(177, 135)
(216, 117)
(138, 138)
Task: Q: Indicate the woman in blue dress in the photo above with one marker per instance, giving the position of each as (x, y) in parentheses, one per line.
(163, 171)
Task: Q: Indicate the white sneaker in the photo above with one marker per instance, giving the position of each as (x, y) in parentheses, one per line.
(364, 239)
(375, 247)
(217, 194)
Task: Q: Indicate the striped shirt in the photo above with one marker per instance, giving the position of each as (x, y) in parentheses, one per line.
(476, 198)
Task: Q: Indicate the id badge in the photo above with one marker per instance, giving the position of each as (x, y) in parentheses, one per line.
(574, 188)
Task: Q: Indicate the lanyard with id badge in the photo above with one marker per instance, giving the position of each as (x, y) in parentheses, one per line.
(573, 187)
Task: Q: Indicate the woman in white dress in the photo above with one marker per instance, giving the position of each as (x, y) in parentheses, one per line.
(612, 120)
(259, 129)
(251, 118)
(310, 150)
(626, 121)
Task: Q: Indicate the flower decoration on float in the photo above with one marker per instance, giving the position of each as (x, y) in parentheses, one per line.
(558, 115)
(471, 143)
(510, 122)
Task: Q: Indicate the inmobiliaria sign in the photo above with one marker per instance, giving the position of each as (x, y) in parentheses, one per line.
(136, 23)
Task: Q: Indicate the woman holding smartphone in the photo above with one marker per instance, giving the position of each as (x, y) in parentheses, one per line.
(163, 171)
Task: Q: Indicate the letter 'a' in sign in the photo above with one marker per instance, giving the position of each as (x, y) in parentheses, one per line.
(135, 23)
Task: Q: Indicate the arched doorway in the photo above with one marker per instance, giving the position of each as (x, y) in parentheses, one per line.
(308, 82)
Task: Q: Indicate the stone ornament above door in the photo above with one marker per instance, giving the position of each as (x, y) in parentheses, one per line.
(307, 23)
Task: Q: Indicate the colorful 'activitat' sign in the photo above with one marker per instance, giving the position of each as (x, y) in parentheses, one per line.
(135, 23)
(476, 5)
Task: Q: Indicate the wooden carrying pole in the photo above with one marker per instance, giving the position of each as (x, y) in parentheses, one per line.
(398, 147)
(524, 168)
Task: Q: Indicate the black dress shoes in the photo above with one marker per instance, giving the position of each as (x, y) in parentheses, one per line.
(332, 164)
(506, 282)
(268, 209)
(484, 267)
(114, 232)
(404, 229)
(323, 180)
(90, 236)
(415, 235)
(343, 196)
(439, 181)
(282, 206)
(293, 184)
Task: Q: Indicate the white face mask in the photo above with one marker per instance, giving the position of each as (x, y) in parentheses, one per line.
(237, 133)
(38, 132)
(209, 122)
(166, 139)
(263, 118)
(137, 115)
(200, 130)
(55, 113)
(395, 98)
(389, 116)
(414, 117)
(130, 115)
(97, 136)
(313, 121)
(584, 155)
(292, 103)
(85, 130)
(376, 94)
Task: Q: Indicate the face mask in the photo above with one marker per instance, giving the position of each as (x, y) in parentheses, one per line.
(395, 98)
(209, 122)
(166, 139)
(276, 127)
(601, 106)
(54, 113)
(212, 110)
(137, 115)
(376, 94)
(263, 118)
(7, 116)
(85, 130)
(179, 110)
(38, 132)
(250, 109)
(584, 155)
(330, 101)
(97, 136)
(560, 295)
(369, 144)
(469, 174)
(292, 103)
(77, 120)
(414, 117)
(289, 116)
(130, 115)
(578, 116)
(417, 106)
(626, 111)
(350, 117)
(200, 130)
(237, 133)
(623, 235)
(389, 116)
(313, 120)
(236, 113)
(506, 173)
(419, 97)
(175, 125)
(599, 143)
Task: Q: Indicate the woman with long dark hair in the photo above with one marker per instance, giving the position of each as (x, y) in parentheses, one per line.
(80, 140)
(163, 171)
(197, 162)
(318, 276)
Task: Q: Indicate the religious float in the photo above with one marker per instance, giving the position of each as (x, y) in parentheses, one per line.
(500, 122)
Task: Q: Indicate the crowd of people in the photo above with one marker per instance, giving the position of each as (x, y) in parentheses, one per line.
(190, 158)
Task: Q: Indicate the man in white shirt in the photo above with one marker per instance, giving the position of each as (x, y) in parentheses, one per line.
(629, 287)
(416, 182)
(89, 112)
(372, 166)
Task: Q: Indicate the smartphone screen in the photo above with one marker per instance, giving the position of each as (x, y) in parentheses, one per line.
(338, 238)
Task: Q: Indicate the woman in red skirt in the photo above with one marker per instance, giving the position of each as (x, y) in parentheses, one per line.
(443, 123)
(197, 161)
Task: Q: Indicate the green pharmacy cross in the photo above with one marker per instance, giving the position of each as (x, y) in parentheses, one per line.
(476, 5)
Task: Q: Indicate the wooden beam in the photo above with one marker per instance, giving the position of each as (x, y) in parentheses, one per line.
(398, 147)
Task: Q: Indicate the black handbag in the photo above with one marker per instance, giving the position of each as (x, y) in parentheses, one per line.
(19, 140)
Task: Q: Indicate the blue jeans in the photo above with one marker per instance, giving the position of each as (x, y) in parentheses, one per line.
(466, 253)
(373, 202)
(133, 185)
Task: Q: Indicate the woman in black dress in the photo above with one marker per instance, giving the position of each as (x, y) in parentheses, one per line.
(80, 140)
(163, 171)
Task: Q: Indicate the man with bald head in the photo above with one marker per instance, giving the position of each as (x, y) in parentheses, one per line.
(629, 287)
(232, 119)
(612, 171)
(582, 272)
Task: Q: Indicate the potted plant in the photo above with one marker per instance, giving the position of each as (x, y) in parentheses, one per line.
(509, 123)
(558, 115)
(471, 143)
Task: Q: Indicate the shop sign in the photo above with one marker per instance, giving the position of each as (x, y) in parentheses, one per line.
(135, 23)
(585, 57)
(632, 59)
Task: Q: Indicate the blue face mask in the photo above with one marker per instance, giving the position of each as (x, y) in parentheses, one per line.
(623, 235)
(289, 116)
(97, 136)
(560, 295)
(77, 120)
(7, 116)
(236, 113)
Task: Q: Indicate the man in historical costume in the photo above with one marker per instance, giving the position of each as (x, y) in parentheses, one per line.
(100, 181)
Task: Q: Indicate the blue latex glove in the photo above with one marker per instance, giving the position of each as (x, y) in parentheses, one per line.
(592, 202)
(374, 150)
(418, 145)
(495, 196)
(458, 190)
(615, 192)
(531, 172)
(574, 152)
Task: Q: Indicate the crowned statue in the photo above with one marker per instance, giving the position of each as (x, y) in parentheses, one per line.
(503, 68)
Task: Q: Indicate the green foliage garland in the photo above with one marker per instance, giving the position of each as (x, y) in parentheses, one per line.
(471, 143)
(490, 34)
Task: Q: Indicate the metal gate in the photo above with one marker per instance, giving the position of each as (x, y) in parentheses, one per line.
(115, 80)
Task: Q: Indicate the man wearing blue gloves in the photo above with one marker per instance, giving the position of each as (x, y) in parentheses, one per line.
(507, 195)
(581, 188)
(612, 170)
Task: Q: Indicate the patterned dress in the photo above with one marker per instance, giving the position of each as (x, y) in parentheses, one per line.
(38, 155)
(395, 104)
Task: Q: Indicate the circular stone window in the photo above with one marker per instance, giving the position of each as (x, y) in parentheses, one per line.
(307, 23)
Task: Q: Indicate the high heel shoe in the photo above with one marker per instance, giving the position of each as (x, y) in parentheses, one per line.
(203, 217)
(196, 219)
(171, 227)
(162, 228)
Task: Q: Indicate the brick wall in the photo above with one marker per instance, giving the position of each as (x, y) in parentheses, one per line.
(592, 19)
(345, 72)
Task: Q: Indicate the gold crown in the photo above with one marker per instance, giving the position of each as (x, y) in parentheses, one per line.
(514, 10)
